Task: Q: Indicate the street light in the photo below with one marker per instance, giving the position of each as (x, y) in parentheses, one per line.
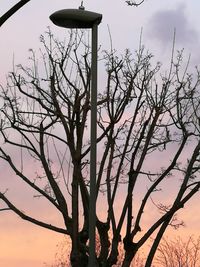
(80, 18)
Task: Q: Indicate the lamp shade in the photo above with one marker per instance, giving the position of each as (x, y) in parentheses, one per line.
(75, 18)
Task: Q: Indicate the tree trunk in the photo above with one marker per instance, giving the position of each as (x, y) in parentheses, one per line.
(131, 250)
(114, 251)
(103, 229)
(128, 259)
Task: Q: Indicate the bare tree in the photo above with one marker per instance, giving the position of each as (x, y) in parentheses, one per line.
(143, 116)
(179, 253)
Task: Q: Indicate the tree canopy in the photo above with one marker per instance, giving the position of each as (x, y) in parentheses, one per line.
(148, 143)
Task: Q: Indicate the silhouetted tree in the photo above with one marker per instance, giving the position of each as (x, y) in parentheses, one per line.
(148, 143)
(176, 252)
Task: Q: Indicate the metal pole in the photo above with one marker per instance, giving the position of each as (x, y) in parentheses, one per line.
(93, 154)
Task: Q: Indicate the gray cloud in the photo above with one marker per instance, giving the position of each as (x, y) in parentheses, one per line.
(163, 23)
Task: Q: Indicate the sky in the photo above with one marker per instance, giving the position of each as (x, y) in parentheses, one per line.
(23, 244)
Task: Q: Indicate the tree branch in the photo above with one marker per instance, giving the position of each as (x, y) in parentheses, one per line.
(30, 219)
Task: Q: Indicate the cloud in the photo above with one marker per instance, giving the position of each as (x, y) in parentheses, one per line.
(163, 23)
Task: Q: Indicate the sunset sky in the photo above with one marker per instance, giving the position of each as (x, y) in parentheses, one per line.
(22, 244)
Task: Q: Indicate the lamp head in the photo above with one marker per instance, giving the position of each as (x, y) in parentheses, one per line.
(75, 18)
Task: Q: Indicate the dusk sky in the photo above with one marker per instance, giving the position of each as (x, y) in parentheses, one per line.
(23, 244)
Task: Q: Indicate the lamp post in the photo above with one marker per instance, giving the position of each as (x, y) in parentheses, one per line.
(82, 19)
